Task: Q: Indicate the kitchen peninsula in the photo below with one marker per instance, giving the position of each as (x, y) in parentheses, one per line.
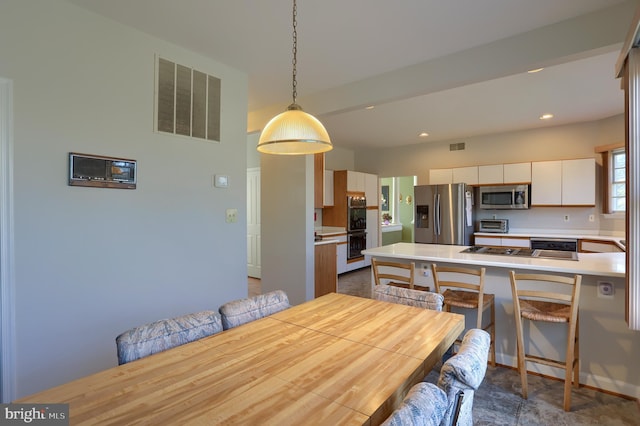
(608, 349)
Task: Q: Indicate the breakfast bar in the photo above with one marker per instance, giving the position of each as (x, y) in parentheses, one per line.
(608, 349)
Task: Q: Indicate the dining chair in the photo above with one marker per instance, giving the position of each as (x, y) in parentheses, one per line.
(425, 404)
(462, 374)
(555, 299)
(410, 297)
(395, 274)
(463, 288)
(164, 334)
(242, 311)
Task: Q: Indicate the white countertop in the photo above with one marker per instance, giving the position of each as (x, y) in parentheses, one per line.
(596, 264)
(325, 241)
(327, 231)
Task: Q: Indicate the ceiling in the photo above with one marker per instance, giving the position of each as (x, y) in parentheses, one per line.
(454, 69)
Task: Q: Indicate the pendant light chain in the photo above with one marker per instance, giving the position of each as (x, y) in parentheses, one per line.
(295, 50)
(294, 132)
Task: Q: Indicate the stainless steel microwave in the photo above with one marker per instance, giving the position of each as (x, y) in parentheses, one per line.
(514, 197)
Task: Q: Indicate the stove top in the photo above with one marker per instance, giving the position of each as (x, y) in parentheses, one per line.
(523, 252)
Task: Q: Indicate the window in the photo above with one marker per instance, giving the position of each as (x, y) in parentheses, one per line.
(617, 180)
(614, 178)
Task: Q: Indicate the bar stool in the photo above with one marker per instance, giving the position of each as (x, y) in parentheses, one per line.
(548, 306)
(464, 288)
(399, 274)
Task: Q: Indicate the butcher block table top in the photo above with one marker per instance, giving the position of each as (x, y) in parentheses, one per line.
(337, 359)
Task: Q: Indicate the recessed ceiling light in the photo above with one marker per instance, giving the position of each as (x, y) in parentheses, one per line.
(546, 116)
(535, 70)
(423, 134)
(370, 107)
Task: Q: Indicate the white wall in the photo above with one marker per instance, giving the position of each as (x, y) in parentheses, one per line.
(91, 263)
(287, 250)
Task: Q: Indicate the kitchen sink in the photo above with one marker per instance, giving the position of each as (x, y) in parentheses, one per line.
(523, 252)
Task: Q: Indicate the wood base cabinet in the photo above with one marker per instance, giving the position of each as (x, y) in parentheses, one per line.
(326, 273)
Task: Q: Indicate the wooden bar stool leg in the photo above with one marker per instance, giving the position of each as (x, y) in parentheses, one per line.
(522, 365)
(493, 335)
(576, 350)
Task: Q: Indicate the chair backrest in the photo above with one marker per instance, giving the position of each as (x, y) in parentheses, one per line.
(539, 289)
(458, 277)
(396, 274)
(407, 296)
(242, 311)
(425, 404)
(161, 335)
(464, 372)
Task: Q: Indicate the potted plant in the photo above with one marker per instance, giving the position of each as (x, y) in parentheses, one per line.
(386, 218)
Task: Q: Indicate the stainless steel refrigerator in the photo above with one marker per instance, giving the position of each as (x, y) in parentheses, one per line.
(443, 214)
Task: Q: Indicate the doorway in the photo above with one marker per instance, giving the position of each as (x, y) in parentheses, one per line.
(397, 209)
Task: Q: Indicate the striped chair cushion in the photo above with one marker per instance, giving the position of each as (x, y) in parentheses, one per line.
(464, 372)
(407, 296)
(424, 405)
(242, 311)
(164, 334)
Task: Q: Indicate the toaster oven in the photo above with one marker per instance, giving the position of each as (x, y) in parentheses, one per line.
(494, 225)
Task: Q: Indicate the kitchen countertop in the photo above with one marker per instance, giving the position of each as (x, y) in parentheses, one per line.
(328, 231)
(595, 264)
(325, 241)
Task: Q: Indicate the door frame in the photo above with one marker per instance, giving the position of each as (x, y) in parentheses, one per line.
(7, 278)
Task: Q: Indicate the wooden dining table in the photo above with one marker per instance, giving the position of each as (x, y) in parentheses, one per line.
(334, 360)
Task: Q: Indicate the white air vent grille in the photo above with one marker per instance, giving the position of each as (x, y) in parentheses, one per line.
(187, 101)
(456, 146)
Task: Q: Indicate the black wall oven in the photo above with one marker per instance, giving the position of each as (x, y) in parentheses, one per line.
(356, 226)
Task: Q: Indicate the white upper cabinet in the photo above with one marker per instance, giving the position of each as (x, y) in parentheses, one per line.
(563, 183)
(546, 183)
(517, 173)
(440, 176)
(504, 173)
(579, 182)
(490, 174)
(371, 191)
(355, 181)
(328, 187)
(468, 175)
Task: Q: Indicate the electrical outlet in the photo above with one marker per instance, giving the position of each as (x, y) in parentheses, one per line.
(566, 218)
(605, 290)
(232, 216)
(426, 272)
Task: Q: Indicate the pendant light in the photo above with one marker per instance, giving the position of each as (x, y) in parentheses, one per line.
(294, 132)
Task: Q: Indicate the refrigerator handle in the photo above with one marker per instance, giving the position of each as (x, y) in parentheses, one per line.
(436, 214)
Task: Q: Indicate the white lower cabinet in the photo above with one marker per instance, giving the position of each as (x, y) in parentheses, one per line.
(341, 254)
(500, 241)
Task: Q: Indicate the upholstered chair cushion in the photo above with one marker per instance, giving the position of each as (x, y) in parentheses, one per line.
(242, 311)
(464, 372)
(407, 296)
(161, 335)
(424, 405)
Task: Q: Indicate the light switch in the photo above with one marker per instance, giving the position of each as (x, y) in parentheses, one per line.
(221, 181)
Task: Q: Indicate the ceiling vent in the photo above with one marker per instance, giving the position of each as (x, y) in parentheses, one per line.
(456, 146)
(187, 101)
